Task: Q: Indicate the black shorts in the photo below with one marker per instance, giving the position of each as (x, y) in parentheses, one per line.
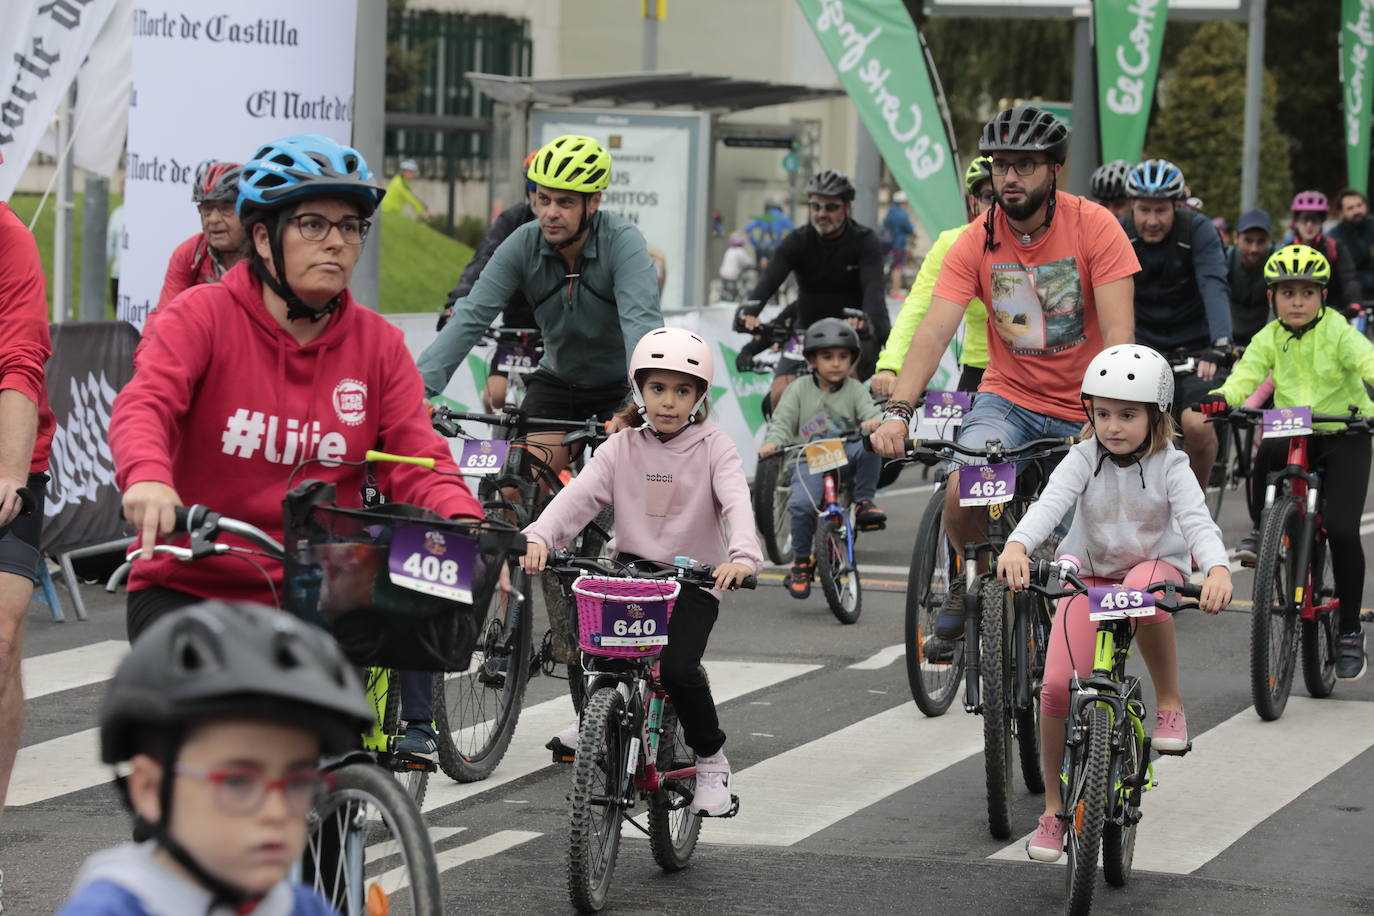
(1189, 390)
(19, 539)
(551, 398)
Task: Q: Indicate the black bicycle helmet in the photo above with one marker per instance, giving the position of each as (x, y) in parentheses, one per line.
(831, 183)
(1108, 180)
(830, 332)
(216, 181)
(1025, 129)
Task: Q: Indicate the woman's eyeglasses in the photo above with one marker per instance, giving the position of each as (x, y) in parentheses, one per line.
(315, 228)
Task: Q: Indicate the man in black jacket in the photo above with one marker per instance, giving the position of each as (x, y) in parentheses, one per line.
(1245, 274)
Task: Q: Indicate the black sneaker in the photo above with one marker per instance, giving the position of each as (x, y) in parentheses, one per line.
(868, 516)
(949, 627)
(419, 741)
(1248, 548)
(1350, 658)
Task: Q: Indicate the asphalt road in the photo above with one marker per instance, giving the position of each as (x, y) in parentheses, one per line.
(852, 801)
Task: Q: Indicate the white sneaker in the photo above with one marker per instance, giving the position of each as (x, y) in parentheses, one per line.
(566, 738)
(712, 795)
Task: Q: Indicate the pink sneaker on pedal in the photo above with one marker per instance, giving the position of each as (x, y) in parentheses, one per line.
(1171, 731)
(564, 743)
(1047, 843)
(712, 795)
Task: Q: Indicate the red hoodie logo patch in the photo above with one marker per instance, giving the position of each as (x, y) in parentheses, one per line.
(350, 401)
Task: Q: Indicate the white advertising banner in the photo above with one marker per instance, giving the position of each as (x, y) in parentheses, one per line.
(215, 81)
(658, 182)
(42, 45)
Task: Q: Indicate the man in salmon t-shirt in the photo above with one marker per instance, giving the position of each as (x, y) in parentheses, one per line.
(1056, 273)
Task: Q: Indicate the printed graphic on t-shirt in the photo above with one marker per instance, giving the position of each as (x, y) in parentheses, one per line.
(821, 426)
(658, 494)
(1038, 310)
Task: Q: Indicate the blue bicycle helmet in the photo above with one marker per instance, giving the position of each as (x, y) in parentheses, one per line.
(307, 165)
(1158, 179)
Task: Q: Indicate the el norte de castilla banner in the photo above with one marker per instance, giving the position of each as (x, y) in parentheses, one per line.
(1357, 79)
(1127, 38)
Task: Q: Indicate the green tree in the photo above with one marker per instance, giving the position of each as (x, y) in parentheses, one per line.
(1301, 50)
(405, 67)
(1200, 124)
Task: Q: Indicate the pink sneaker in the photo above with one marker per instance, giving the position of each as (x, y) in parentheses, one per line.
(714, 779)
(1171, 732)
(1047, 843)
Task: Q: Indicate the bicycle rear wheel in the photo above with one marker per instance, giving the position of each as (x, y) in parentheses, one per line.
(772, 490)
(562, 611)
(596, 801)
(935, 568)
(1319, 637)
(476, 711)
(995, 686)
(1086, 805)
(839, 577)
(673, 828)
(1273, 620)
(368, 850)
(1220, 479)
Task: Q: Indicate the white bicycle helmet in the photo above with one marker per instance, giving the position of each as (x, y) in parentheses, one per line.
(1130, 372)
(677, 349)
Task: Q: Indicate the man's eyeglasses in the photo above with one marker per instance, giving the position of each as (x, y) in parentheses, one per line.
(222, 207)
(829, 206)
(315, 228)
(244, 791)
(1023, 167)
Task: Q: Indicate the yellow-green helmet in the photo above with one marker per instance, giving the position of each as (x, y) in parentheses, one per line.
(571, 163)
(980, 169)
(1297, 262)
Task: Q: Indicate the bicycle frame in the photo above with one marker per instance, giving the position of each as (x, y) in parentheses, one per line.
(832, 509)
(1306, 485)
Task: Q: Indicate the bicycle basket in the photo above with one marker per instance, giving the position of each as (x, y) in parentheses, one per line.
(623, 618)
(396, 586)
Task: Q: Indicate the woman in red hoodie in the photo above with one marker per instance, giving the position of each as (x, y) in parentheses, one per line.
(241, 380)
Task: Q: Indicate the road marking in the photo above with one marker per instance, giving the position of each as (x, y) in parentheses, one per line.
(1187, 823)
(378, 851)
(71, 668)
(398, 878)
(881, 659)
(527, 753)
(793, 795)
(52, 768)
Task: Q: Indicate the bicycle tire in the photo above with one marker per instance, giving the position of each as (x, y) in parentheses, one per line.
(1216, 495)
(839, 578)
(414, 779)
(476, 718)
(1273, 622)
(1087, 809)
(340, 824)
(995, 685)
(1319, 637)
(1118, 840)
(1027, 720)
(933, 687)
(673, 828)
(562, 611)
(771, 492)
(596, 800)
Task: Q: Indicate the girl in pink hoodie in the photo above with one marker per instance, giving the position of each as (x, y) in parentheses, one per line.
(678, 488)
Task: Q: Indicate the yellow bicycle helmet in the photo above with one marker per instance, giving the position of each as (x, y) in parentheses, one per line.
(571, 163)
(980, 169)
(1297, 262)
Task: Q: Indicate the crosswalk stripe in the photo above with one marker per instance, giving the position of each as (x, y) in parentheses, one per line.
(71, 668)
(1187, 822)
(881, 659)
(388, 848)
(791, 796)
(52, 768)
(397, 879)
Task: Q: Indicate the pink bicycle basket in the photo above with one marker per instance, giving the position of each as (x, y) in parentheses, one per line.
(623, 618)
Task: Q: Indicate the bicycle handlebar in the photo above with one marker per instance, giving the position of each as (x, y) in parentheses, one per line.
(1252, 416)
(1045, 573)
(526, 337)
(701, 575)
(917, 449)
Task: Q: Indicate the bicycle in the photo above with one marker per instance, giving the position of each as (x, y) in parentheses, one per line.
(630, 746)
(1002, 654)
(1231, 468)
(518, 351)
(1293, 577)
(1107, 765)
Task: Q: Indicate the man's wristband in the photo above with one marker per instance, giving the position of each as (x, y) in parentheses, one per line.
(899, 410)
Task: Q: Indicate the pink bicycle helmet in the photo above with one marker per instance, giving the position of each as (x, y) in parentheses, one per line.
(677, 349)
(1310, 202)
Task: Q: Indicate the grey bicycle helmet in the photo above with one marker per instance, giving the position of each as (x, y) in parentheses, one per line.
(1157, 179)
(218, 660)
(1108, 180)
(831, 183)
(830, 332)
(216, 181)
(1025, 129)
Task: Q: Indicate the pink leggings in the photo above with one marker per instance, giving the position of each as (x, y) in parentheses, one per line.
(1072, 614)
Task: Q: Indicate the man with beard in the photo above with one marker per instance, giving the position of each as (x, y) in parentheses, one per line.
(1245, 274)
(1356, 232)
(838, 264)
(1055, 271)
(1182, 303)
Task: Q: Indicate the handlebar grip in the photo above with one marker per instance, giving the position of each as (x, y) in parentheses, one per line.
(373, 455)
(750, 582)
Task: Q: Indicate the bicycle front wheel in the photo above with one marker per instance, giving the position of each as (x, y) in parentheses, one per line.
(1032, 628)
(1320, 636)
(935, 569)
(476, 711)
(1273, 619)
(596, 801)
(673, 828)
(995, 687)
(1085, 802)
(1118, 833)
(771, 493)
(368, 850)
(839, 577)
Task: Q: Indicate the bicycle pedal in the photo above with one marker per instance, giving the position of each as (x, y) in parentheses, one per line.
(873, 526)
(1164, 753)
(561, 752)
(404, 763)
(1249, 564)
(733, 810)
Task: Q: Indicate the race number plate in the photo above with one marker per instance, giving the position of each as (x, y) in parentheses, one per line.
(825, 455)
(438, 563)
(517, 359)
(947, 406)
(482, 457)
(986, 484)
(633, 624)
(1284, 422)
(795, 345)
(1113, 602)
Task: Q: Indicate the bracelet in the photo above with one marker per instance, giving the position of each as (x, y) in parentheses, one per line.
(897, 415)
(899, 409)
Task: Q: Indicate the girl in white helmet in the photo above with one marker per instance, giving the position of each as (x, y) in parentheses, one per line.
(1139, 517)
(673, 478)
